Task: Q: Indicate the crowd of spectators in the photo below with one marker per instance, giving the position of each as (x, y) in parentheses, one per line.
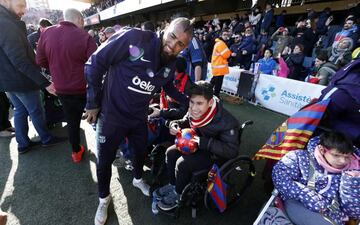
(98, 7)
(32, 17)
(310, 50)
(303, 51)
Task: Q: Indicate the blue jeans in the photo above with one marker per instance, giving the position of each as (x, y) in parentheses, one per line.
(28, 104)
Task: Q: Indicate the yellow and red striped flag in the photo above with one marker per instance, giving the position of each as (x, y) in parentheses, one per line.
(294, 133)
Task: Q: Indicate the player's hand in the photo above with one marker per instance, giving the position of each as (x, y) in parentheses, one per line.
(174, 128)
(91, 115)
(196, 139)
(51, 89)
(155, 113)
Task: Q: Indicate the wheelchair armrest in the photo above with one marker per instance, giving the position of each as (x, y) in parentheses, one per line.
(199, 175)
(269, 203)
(240, 157)
(246, 123)
(242, 127)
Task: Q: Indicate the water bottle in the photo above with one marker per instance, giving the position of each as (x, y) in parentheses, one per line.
(274, 72)
(256, 68)
(252, 67)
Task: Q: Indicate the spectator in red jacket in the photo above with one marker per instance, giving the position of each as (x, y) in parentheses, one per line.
(64, 49)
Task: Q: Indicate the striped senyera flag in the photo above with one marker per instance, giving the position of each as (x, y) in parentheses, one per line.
(294, 133)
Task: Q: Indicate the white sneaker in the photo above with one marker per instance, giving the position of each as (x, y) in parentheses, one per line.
(101, 212)
(144, 187)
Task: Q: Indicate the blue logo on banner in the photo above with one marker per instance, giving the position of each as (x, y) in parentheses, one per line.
(229, 78)
(268, 93)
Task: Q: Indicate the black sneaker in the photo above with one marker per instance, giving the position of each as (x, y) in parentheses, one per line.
(31, 146)
(54, 141)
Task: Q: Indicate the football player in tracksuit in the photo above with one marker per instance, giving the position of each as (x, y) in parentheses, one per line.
(138, 64)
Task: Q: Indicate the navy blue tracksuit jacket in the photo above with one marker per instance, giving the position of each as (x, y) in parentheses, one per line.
(131, 59)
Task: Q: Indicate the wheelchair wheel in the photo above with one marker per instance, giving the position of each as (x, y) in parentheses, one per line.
(192, 194)
(238, 174)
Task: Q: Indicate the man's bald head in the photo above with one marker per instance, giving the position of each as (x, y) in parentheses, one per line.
(5, 3)
(184, 24)
(176, 38)
(74, 16)
(18, 7)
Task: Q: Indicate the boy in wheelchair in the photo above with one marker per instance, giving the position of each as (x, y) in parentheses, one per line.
(320, 185)
(215, 139)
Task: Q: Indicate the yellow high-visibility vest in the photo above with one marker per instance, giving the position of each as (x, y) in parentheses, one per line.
(219, 63)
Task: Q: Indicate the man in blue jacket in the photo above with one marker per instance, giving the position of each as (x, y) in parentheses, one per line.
(138, 64)
(267, 19)
(20, 78)
(196, 60)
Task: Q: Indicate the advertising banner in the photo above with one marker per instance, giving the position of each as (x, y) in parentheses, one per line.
(283, 95)
(125, 7)
(92, 20)
(231, 80)
(108, 13)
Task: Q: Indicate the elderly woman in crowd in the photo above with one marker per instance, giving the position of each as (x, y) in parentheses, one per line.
(340, 53)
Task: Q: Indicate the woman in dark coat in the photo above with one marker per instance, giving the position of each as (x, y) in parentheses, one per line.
(295, 61)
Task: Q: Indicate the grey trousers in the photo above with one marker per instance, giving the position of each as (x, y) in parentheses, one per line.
(300, 215)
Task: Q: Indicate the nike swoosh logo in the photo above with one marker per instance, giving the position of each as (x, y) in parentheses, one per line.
(144, 60)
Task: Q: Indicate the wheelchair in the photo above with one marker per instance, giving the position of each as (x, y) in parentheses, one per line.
(237, 173)
(274, 209)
